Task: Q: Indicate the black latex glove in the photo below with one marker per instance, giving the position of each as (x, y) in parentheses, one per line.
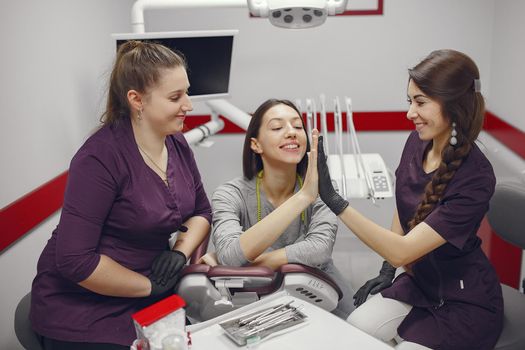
(328, 194)
(375, 285)
(167, 265)
(158, 289)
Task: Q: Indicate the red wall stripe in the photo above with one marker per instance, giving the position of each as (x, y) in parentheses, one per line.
(21, 216)
(364, 121)
(196, 120)
(507, 134)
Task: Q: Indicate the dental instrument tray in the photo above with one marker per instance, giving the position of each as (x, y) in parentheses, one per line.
(252, 328)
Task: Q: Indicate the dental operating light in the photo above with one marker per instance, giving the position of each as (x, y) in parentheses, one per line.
(293, 14)
(296, 14)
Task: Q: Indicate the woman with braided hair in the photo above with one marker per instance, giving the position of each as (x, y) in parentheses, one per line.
(449, 296)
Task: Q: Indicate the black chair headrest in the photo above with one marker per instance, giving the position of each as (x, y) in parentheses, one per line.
(507, 212)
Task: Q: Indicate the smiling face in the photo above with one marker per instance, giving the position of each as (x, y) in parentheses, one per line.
(166, 104)
(282, 137)
(427, 116)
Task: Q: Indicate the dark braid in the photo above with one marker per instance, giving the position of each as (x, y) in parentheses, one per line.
(447, 76)
(452, 157)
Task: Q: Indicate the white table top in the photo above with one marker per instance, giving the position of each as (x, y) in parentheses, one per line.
(322, 330)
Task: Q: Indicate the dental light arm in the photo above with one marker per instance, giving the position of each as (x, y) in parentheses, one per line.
(282, 13)
(224, 108)
(228, 110)
(138, 8)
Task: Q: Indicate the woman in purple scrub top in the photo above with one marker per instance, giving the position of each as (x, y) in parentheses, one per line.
(449, 296)
(131, 185)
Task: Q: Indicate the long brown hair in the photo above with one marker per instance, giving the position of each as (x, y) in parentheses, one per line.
(137, 67)
(448, 77)
(251, 161)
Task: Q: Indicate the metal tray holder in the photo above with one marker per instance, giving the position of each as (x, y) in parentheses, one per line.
(254, 327)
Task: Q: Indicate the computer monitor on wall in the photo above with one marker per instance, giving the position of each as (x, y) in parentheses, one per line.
(208, 55)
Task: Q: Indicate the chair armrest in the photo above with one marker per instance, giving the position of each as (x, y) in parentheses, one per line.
(299, 268)
(241, 271)
(194, 269)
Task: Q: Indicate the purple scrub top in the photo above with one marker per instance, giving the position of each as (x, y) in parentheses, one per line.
(115, 205)
(454, 290)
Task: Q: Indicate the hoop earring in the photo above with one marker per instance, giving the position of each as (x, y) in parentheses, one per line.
(453, 134)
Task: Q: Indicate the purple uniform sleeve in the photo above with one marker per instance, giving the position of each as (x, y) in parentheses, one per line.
(90, 193)
(458, 215)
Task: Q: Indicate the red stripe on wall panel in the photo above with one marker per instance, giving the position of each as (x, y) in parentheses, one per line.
(27, 212)
(374, 121)
(505, 257)
(195, 120)
(364, 121)
(507, 134)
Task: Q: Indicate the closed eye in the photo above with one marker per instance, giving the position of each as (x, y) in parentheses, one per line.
(177, 97)
(419, 103)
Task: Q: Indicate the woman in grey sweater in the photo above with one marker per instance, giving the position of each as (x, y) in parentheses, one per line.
(262, 218)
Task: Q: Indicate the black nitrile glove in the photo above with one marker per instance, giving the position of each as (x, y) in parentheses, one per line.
(328, 194)
(160, 289)
(375, 285)
(167, 265)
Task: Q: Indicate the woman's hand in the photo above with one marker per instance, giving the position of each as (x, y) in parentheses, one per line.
(377, 284)
(328, 194)
(166, 265)
(311, 181)
(209, 259)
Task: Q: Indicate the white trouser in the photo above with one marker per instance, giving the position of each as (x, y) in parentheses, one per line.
(380, 318)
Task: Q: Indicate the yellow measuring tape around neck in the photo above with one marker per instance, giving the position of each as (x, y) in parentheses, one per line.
(258, 193)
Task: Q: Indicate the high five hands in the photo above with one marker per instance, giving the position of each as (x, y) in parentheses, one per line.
(337, 204)
(318, 181)
(328, 194)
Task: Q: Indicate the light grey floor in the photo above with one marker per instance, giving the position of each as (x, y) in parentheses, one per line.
(355, 260)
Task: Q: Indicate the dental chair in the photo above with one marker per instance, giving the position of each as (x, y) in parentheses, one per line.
(213, 291)
(507, 218)
(23, 330)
